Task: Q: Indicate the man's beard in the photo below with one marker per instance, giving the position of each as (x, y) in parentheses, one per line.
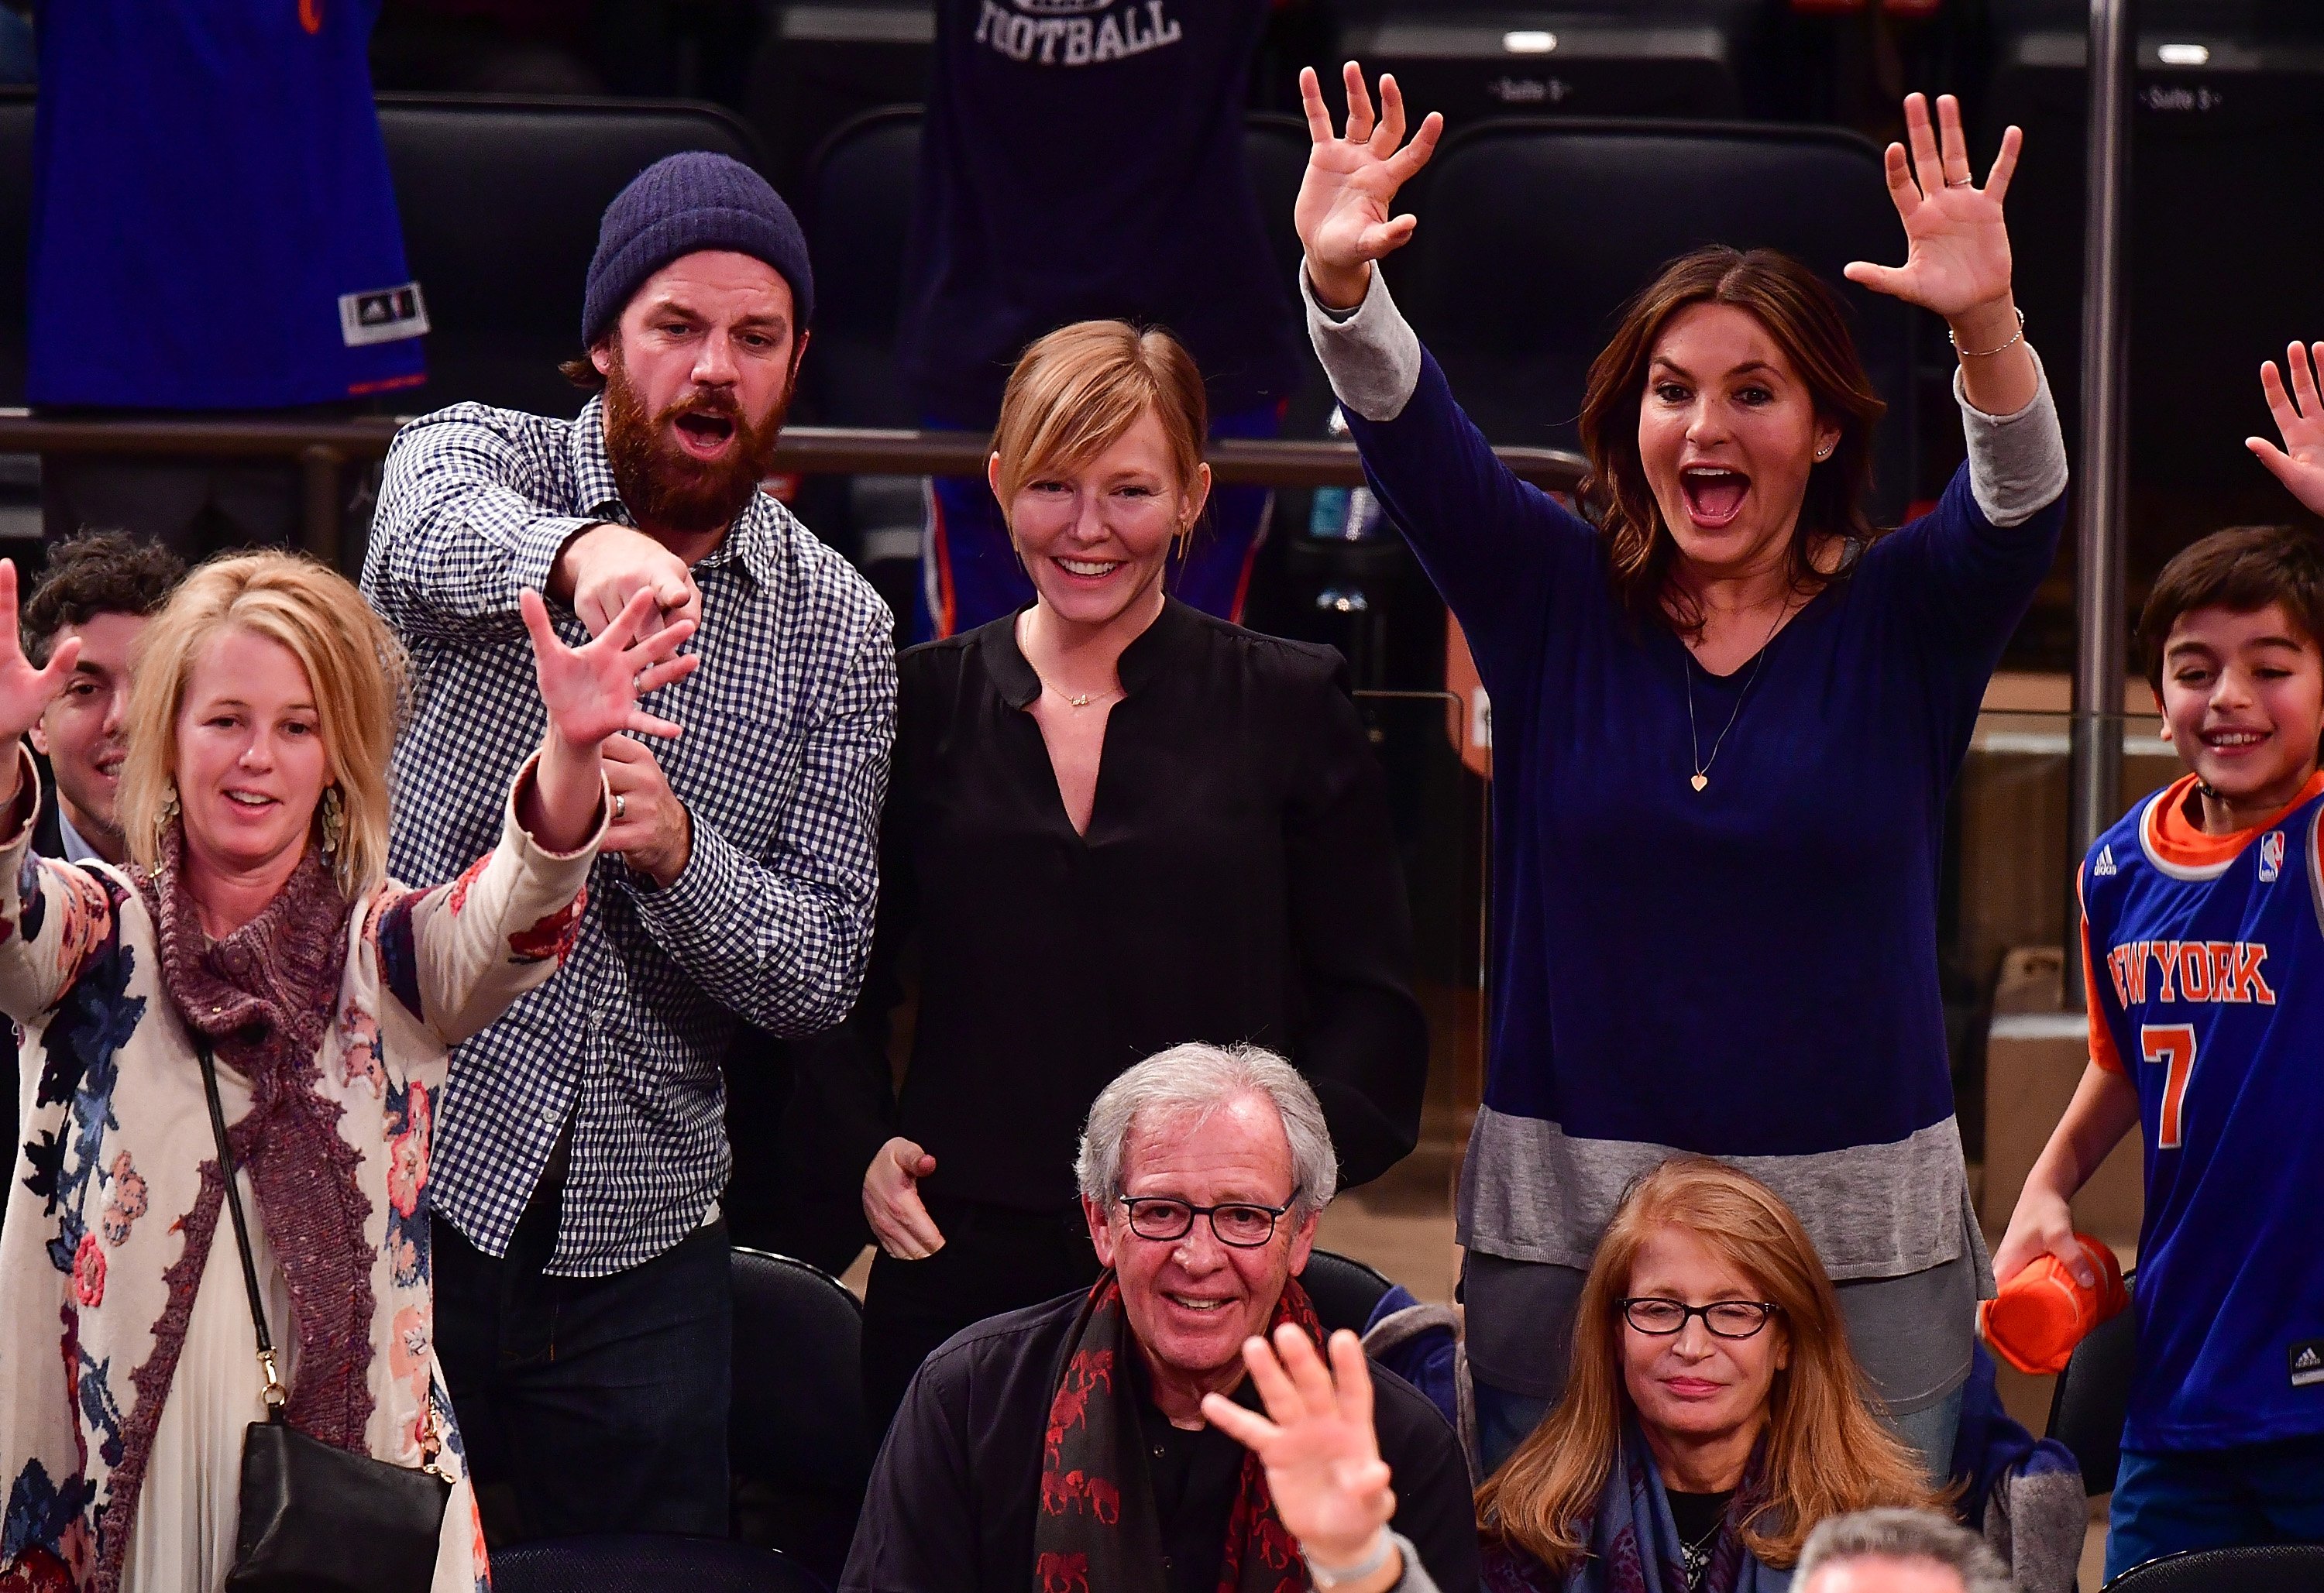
(668, 489)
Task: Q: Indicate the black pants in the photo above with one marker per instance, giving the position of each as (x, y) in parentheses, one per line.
(994, 1259)
(599, 1403)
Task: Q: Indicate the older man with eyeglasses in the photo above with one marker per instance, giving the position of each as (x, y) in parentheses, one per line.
(1063, 1447)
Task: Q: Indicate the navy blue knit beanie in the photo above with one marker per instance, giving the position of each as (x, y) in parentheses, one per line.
(676, 206)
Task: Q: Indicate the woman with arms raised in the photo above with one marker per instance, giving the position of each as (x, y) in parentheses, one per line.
(1114, 824)
(255, 925)
(1726, 716)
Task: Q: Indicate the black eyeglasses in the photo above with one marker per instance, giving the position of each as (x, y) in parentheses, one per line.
(1239, 1224)
(1727, 1319)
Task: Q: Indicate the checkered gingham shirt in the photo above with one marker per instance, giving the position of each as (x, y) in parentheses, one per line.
(783, 768)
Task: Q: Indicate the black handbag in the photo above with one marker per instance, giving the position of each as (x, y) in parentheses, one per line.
(316, 1519)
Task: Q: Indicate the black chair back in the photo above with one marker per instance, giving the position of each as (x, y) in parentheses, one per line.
(2255, 1567)
(799, 1441)
(2093, 1397)
(1343, 1289)
(1532, 238)
(821, 64)
(500, 199)
(15, 239)
(647, 1563)
(857, 203)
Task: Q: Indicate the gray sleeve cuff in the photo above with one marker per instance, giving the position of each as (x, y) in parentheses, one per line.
(1416, 1578)
(2016, 462)
(1371, 352)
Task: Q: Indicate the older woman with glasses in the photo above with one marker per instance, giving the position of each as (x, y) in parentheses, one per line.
(1713, 1416)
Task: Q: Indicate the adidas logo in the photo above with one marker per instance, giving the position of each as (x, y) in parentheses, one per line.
(2308, 1364)
(2103, 868)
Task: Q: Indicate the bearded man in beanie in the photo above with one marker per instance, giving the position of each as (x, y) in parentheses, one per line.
(579, 1258)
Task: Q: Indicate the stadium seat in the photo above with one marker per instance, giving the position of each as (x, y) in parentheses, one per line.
(2226, 202)
(647, 1563)
(1475, 58)
(799, 1442)
(856, 203)
(1532, 238)
(15, 236)
(2258, 1567)
(2093, 1395)
(821, 63)
(500, 200)
(1343, 1289)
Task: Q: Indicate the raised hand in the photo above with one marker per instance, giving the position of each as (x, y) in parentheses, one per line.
(1342, 211)
(1323, 1467)
(592, 693)
(1957, 246)
(2299, 465)
(25, 692)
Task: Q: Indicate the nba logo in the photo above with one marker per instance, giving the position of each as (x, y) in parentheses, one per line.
(2271, 856)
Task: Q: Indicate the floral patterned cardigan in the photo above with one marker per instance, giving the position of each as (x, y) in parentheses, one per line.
(115, 1194)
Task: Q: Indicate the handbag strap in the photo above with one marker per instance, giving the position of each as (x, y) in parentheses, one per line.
(277, 1396)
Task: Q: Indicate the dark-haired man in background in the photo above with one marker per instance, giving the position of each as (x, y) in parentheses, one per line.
(101, 588)
(583, 1311)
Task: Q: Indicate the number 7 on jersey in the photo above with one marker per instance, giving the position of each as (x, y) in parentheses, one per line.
(2173, 1046)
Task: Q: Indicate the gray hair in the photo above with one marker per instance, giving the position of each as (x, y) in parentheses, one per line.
(1196, 1080)
(1904, 1534)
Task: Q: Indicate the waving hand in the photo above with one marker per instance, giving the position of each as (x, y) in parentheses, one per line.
(1956, 246)
(25, 693)
(1344, 210)
(592, 693)
(1322, 1459)
(1956, 253)
(2299, 414)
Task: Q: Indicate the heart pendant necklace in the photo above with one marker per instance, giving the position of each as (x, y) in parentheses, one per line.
(1702, 776)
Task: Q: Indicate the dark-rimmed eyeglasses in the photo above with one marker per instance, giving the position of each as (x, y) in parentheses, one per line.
(1239, 1223)
(1727, 1319)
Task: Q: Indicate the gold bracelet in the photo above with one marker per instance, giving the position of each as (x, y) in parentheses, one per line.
(1986, 353)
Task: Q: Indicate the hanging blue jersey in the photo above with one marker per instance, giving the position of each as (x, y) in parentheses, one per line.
(2206, 956)
(213, 226)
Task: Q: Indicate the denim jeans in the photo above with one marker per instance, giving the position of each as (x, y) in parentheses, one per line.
(600, 1404)
(2261, 1493)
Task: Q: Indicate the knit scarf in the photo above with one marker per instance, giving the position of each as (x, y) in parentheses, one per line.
(265, 997)
(1097, 1531)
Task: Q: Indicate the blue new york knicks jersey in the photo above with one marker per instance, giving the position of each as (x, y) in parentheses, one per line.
(213, 222)
(2207, 989)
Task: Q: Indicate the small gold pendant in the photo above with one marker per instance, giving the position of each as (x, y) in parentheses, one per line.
(1699, 781)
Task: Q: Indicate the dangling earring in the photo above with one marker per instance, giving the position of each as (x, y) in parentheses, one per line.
(334, 819)
(167, 814)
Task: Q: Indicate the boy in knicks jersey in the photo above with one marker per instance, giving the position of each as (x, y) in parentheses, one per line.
(2204, 963)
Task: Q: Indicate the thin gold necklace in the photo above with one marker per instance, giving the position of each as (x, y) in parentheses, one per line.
(1694, 743)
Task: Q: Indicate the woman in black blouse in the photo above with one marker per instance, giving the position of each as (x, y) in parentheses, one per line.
(1114, 823)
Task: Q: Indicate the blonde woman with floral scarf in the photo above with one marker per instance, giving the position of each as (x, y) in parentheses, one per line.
(255, 912)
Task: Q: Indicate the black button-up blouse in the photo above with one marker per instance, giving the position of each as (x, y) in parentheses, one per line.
(1238, 882)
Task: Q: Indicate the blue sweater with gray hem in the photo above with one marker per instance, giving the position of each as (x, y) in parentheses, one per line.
(1749, 969)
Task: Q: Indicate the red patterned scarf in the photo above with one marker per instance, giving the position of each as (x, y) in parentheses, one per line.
(1096, 1531)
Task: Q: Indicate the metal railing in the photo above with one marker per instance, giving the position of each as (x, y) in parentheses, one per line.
(324, 448)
